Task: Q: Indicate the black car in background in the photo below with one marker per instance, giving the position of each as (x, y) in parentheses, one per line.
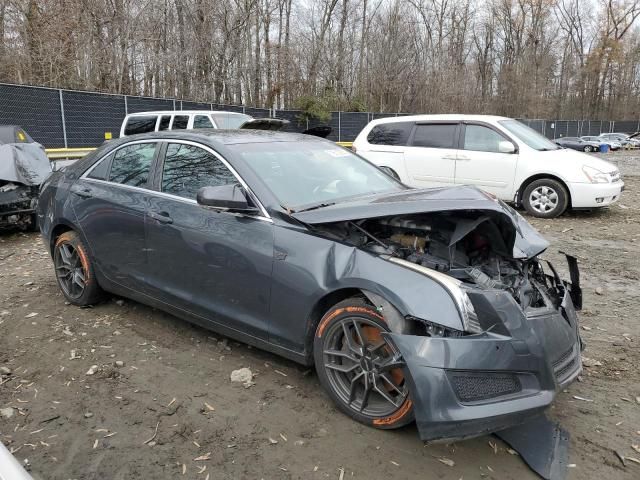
(577, 143)
(412, 304)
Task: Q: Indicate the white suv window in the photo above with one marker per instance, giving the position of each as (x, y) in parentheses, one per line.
(435, 135)
(482, 139)
(140, 124)
(202, 121)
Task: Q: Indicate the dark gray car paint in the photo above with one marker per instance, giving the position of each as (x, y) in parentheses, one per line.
(277, 309)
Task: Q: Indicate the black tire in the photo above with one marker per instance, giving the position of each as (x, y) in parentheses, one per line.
(587, 148)
(74, 270)
(545, 198)
(347, 327)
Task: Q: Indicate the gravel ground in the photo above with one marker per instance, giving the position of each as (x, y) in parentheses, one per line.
(170, 410)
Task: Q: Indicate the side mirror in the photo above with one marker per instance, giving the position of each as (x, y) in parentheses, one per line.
(505, 146)
(225, 197)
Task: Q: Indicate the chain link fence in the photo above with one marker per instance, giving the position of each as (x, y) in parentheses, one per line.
(60, 118)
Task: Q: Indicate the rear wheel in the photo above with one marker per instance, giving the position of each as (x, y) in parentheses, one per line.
(545, 198)
(74, 270)
(587, 148)
(359, 369)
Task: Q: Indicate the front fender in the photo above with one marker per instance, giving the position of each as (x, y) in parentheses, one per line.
(307, 268)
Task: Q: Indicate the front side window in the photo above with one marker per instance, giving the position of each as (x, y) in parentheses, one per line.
(434, 135)
(202, 121)
(180, 122)
(131, 164)
(396, 134)
(140, 124)
(188, 168)
(482, 139)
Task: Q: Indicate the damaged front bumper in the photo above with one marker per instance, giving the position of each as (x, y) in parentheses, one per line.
(472, 385)
(17, 205)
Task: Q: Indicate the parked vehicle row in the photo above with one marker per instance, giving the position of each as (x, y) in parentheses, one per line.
(499, 155)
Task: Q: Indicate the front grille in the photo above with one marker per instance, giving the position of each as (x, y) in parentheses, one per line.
(559, 361)
(474, 387)
(565, 365)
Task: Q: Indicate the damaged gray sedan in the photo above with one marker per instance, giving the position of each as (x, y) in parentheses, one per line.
(426, 305)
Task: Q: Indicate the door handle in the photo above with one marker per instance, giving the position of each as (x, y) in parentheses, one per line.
(84, 192)
(462, 158)
(448, 157)
(162, 217)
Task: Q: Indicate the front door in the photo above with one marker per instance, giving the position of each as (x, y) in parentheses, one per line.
(481, 163)
(430, 159)
(213, 264)
(110, 202)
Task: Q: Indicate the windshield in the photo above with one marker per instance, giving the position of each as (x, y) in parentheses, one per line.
(310, 174)
(230, 120)
(528, 135)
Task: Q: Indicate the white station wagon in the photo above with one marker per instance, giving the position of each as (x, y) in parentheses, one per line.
(497, 154)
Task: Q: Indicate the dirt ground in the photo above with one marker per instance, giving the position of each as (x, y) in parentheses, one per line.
(171, 411)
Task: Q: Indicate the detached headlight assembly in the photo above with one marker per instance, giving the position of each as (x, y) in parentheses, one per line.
(594, 175)
(455, 288)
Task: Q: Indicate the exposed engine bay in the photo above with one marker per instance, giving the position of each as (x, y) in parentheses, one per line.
(469, 246)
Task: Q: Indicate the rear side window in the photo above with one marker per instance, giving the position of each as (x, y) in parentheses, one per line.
(164, 122)
(180, 122)
(202, 121)
(132, 163)
(434, 135)
(188, 168)
(140, 125)
(101, 170)
(396, 133)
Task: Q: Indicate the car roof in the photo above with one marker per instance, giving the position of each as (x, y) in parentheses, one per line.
(183, 112)
(439, 117)
(225, 137)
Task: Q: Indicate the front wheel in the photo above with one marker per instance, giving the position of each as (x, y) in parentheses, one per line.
(359, 369)
(587, 148)
(545, 198)
(74, 270)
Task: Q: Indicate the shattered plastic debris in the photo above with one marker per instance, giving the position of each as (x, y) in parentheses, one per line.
(243, 375)
(92, 370)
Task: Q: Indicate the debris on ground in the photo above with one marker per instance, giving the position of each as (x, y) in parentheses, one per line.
(589, 362)
(7, 412)
(92, 370)
(242, 375)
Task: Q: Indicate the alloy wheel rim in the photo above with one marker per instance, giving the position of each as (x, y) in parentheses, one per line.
(544, 199)
(587, 148)
(363, 369)
(70, 271)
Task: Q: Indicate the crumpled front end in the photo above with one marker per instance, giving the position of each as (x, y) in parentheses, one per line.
(17, 205)
(465, 386)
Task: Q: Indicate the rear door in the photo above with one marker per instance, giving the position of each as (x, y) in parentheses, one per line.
(481, 163)
(385, 146)
(110, 201)
(430, 158)
(214, 264)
